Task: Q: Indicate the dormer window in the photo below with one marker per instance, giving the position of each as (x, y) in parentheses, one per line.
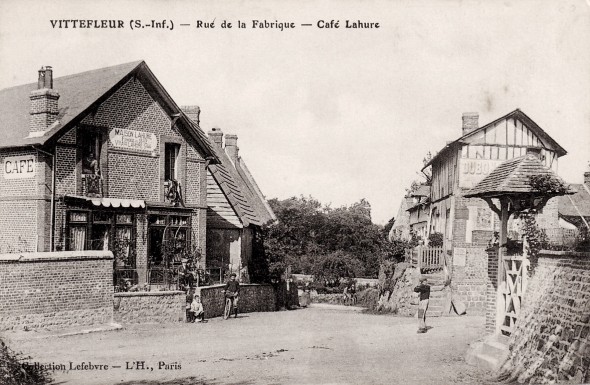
(91, 146)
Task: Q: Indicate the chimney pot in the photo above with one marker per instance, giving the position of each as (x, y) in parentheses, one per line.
(193, 113)
(216, 136)
(41, 79)
(48, 77)
(470, 122)
(231, 147)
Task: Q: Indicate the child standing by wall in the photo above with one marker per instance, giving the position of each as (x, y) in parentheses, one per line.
(197, 310)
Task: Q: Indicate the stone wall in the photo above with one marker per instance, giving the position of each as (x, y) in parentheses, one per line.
(55, 290)
(552, 337)
(402, 300)
(252, 298)
(150, 307)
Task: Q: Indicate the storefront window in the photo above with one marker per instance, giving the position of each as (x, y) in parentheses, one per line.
(102, 230)
(77, 230)
(167, 236)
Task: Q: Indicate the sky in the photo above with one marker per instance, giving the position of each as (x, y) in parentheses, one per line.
(336, 113)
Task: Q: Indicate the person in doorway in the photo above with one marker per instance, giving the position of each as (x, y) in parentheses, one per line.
(424, 290)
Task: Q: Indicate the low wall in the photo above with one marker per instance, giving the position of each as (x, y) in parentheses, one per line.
(552, 337)
(369, 282)
(253, 298)
(55, 290)
(150, 307)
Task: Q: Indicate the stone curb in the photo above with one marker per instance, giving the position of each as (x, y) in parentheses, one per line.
(60, 334)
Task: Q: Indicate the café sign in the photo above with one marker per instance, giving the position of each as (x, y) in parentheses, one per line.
(474, 170)
(133, 140)
(19, 167)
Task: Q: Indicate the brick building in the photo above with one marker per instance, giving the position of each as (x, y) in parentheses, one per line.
(99, 160)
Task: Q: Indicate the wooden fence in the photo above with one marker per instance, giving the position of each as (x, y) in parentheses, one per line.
(428, 258)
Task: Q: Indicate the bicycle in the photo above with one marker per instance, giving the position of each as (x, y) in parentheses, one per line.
(229, 306)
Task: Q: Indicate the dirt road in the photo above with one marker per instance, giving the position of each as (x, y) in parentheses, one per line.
(318, 345)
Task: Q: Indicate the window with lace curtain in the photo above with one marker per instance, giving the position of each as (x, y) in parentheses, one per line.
(101, 230)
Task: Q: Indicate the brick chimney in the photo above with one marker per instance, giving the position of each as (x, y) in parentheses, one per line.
(470, 122)
(193, 113)
(216, 136)
(587, 178)
(44, 108)
(231, 147)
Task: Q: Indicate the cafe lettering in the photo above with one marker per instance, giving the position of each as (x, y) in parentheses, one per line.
(18, 167)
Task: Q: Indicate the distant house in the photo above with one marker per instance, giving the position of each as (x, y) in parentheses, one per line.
(236, 210)
(401, 226)
(419, 212)
(574, 212)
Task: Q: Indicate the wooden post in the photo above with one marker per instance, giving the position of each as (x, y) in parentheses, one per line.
(500, 305)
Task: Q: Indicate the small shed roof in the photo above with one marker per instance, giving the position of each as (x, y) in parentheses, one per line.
(512, 177)
(577, 204)
(421, 191)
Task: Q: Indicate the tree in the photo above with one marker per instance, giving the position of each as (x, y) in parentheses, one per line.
(307, 231)
(331, 268)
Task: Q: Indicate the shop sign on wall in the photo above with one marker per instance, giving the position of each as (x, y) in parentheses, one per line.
(19, 167)
(133, 140)
(474, 170)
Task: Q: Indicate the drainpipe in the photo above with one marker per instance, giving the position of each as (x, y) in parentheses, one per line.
(52, 228)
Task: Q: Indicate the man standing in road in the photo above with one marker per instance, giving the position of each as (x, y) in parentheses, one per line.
(424, 289)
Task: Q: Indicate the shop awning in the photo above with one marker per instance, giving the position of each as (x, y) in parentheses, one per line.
(111, 202)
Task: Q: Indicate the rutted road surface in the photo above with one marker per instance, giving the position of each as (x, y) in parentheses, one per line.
(317, 345)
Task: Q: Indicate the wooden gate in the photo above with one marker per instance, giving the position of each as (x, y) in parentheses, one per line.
(514, 286)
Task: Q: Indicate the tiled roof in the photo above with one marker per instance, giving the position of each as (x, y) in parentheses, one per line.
(263, 208)
(516, 114)
(78, 95)
(237, 192)
(576, 204)
(512, 177)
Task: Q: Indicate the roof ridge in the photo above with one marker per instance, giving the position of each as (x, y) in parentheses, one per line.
(74, 75)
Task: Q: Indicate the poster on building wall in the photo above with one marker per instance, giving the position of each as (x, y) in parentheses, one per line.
(484, 219)
(184, 141)
(133, 140)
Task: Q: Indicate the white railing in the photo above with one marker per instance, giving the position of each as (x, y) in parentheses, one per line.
(428, 258)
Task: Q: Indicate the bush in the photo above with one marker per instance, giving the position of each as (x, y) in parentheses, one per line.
(14, 372)
(368, 298)
(435, 240)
